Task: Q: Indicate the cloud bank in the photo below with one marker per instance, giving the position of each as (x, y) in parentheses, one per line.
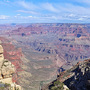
(65, 11)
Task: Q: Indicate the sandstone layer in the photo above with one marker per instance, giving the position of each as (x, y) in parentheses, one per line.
(7, 69)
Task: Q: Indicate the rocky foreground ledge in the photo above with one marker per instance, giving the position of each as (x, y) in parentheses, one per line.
(7, 70)
(76, 78)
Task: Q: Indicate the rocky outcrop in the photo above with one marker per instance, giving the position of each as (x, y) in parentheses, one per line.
(7, 69)
(1, 59)
(78, 77)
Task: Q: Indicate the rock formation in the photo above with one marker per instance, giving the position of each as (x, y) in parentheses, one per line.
(7, 69)
(1, 59)
(72, 39)
(79, 76)
(76, 78)
(68, 44)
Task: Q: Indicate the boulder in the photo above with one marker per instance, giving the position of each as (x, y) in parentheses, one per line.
(1, 58)
(7, 69)
(65, 87)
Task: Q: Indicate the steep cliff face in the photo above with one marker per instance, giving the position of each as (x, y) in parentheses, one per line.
(7, 70)
(79, 76)
(76, 78)
(12, 53)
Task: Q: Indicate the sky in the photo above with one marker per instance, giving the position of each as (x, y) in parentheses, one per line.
(44, 11)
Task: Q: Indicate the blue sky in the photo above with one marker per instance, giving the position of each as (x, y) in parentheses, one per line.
(44, 11)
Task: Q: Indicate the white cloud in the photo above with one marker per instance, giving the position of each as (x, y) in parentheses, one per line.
(70, 8)
(71, 15)
(25, 11)
(27, 5)
(46, 18)
(84, 18)
(4, 17)
(81, 19)
(49, 11)
(59, 8)
(49, 7)
(19, 17)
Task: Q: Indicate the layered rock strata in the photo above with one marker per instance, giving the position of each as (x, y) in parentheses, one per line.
(7, 69)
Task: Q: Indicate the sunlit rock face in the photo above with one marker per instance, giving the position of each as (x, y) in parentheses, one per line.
(1, 55)
(1, 59)
(76, 78)
(7, 70)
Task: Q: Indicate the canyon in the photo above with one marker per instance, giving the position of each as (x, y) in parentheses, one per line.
(41, 51)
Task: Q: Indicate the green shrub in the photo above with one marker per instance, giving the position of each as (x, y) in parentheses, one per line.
(7, 85)
(1, 88)
(57, 85)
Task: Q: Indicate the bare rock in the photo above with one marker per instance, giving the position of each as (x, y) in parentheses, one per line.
(7, 69)
(1, 49)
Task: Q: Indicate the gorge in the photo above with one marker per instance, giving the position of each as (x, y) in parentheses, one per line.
(42, 51)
